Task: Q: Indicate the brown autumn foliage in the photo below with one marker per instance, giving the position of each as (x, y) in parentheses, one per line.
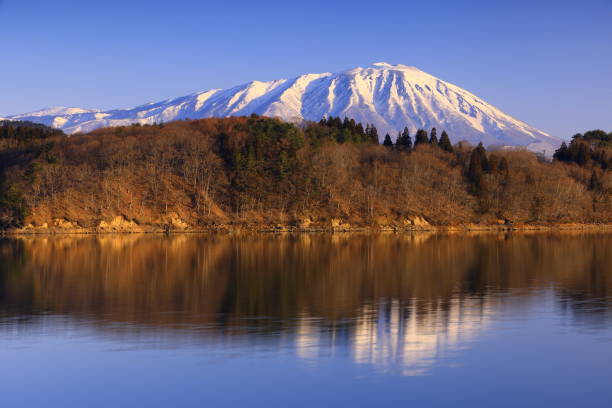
(263, 171)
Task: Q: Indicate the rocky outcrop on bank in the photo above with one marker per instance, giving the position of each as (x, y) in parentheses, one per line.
(172, 223)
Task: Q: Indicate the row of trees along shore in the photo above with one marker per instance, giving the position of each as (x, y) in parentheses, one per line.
(258, 170)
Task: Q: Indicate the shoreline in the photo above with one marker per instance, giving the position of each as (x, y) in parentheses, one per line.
(272, 229)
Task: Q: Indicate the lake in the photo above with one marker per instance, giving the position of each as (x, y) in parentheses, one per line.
(306, 320)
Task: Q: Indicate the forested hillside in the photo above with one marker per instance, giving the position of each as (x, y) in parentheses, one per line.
(259, 171)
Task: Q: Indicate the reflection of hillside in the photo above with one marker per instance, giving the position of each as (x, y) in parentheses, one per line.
(222, 280)
(409, 343)
(392, 338)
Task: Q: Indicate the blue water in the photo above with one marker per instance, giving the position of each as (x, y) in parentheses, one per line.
(283, 321)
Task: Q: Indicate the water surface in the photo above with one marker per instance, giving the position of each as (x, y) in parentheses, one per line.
(306, 320)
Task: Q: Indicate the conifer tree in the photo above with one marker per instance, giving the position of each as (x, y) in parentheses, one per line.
(475, 172)
(398, 141)
(562, 153)
(421, 137)
(482, 153)
(572, 151)
(373, 136)
(595, 182)
(352, 125)
(403, 142)
(388, 142)
(445, 143)
(476, 176)
(346, 123)
(359, 130)
(583, 155)
(433, 137)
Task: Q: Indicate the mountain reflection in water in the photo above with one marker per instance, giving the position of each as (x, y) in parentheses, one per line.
(396, 302)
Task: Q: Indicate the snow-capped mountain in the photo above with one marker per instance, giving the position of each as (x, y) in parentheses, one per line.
(388, 96)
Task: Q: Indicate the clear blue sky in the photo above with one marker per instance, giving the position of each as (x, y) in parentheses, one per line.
(548, 63)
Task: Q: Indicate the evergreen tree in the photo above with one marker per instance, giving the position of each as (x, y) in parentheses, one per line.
(476, 176)
(404, 141)
(388, 142)
(475, 172)
(598, 137)
(337, 123)
(398, 141)
(346, 124)
(562, 153)
(352, 125)
(572, 151)
(585, 149)
(373, 135)
(359, 130)
(445, 143)
(421, 137)
(433, 138)
(577, 136)
(595, 182)
(22, 131)
(583, 156)
(482, 159)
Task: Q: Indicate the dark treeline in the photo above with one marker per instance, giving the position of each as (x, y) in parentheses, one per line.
(258, 170)
(403, 142)
(342, 131)
(592, 147)
(13, 133)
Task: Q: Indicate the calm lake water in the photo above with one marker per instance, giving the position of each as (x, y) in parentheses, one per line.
(306, 320)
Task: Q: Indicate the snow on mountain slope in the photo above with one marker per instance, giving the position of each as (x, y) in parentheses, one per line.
(388, 96)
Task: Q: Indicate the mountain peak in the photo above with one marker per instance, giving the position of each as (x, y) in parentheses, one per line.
(388, 66)
(389, 96)
(382, 64)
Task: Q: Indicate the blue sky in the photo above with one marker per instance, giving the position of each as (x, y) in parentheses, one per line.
(548, 63)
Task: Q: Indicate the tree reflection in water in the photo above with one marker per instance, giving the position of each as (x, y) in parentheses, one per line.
(399, 302)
